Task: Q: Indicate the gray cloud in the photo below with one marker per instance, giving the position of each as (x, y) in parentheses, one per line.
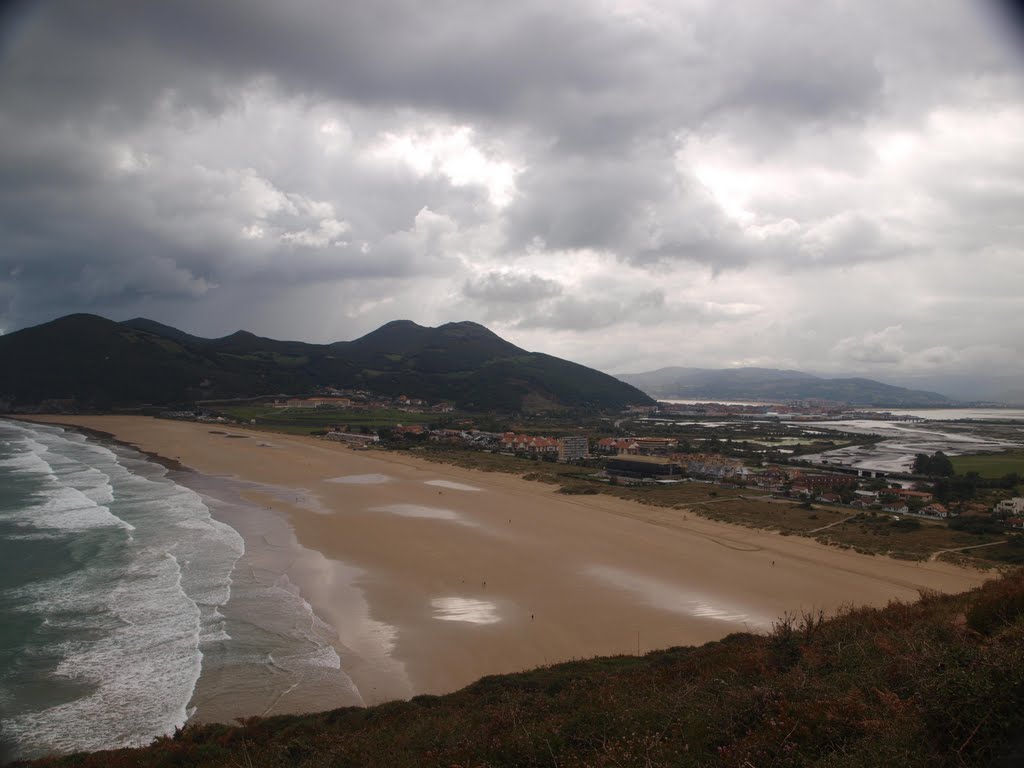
(880, 347)
(778, 183)
(576, 313)
(510, 288)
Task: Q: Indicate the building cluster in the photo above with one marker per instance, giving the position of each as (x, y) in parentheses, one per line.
(640, 459)
(362, 400)
(657, 459)
(204, 417)
(571, 448)
(637, 446)
(514, 443)
(567, 448)
(713, 466)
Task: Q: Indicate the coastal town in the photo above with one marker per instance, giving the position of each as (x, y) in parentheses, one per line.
(771, 467)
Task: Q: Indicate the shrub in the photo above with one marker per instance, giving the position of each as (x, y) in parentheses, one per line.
(906, 524)
(1000, 607)
(577, 490)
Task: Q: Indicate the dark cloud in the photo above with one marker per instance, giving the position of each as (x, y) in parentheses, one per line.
(583, 202)
(473, 59)
(557, 169)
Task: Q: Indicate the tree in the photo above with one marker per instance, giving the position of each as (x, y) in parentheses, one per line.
(936, 465)
(941, 465)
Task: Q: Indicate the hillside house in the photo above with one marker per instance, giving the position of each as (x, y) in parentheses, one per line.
(907, 495)
(772, 479)
(934, 510)
(896, 507)
(654, 446)
(637, 446)
(618, 446)
(712, 466)
(1014, 506)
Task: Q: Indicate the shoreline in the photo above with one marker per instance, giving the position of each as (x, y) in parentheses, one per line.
(448, 574)
(274, 559)
(275, 552)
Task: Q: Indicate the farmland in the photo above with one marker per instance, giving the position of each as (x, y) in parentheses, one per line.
(990, 465)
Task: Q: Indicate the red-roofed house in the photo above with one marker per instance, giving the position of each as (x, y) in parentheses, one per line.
(510, 441)
(934, 510)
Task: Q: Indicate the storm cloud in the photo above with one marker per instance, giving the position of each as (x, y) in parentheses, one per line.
(829, 186)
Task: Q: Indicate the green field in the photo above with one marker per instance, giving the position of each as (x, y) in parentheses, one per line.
(302, 421)
(992, 465)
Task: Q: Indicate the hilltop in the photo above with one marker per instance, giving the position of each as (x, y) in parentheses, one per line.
(99, 364)
(773, 385)
(936, 683)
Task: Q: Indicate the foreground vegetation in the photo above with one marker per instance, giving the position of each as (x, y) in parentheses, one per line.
(936, 683)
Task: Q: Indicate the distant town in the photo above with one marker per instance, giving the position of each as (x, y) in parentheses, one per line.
(771, 466)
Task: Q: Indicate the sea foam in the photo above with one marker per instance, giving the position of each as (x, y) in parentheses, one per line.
(121, 624)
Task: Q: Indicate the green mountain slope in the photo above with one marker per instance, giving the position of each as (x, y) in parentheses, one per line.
(927, 685)
(771, 385)
(468, 363)
(101, 363)
(96, 361)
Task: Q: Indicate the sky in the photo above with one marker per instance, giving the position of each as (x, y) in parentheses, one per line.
(835, 186)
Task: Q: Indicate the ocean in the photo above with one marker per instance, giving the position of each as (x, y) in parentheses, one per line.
(126, 605)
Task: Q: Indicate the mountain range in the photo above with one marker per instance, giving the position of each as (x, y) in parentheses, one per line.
(777, 386)
(101, 364)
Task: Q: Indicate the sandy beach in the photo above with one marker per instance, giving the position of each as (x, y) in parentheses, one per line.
(433, 576)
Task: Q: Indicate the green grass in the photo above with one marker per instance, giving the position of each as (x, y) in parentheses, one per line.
(293, 361)
(937, 683)
(990, 465)
(303, 421)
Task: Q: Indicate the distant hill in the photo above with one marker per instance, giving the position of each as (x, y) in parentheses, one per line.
(772, 385)
(101, 363)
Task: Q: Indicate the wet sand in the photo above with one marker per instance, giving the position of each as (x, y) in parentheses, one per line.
(433, 576)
